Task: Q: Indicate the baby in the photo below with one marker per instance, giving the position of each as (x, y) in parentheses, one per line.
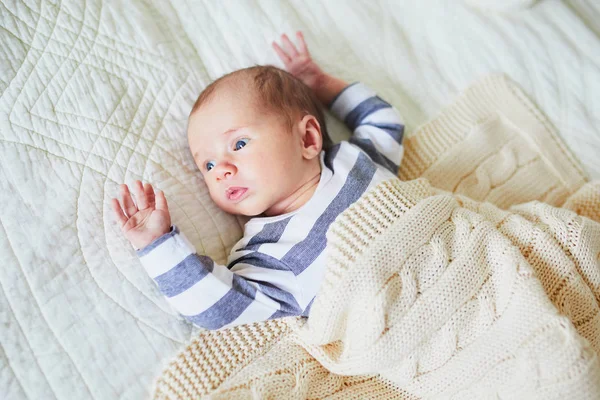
(258, 137)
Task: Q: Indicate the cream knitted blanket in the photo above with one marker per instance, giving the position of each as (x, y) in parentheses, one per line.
(433, 294)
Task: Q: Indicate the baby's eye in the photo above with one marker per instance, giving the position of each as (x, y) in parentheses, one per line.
(210, 165)
(241, 143)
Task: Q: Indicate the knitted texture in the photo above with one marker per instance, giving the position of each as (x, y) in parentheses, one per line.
(440, 296)
(492, 145)
(283, 373)
(214, 355)
(585, 201)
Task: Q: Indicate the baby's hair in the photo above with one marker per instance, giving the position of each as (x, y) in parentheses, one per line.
(277, 90)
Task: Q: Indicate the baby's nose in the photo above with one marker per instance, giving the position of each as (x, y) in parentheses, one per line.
(226, 172)
(224, 175)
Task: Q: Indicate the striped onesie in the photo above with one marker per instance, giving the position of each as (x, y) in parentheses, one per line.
(275, 270)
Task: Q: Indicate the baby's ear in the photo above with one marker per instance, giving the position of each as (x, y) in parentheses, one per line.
(312, 139)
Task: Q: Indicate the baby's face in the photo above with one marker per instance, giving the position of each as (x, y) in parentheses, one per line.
(250, 160)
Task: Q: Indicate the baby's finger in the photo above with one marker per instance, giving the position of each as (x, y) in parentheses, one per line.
(118, 211)
(301, 43)
(161, 201)
(149, 190)
(284, 57)
(127, 202)
(289, 46)
(140, 195)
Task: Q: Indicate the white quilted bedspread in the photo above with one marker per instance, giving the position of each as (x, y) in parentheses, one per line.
(93, 94)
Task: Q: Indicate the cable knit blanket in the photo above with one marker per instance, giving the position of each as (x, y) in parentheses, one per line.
(431, 290)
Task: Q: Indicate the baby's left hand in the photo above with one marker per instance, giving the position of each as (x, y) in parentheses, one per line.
(299, 63)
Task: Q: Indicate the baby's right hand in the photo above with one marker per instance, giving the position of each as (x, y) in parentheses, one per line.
(146, 221)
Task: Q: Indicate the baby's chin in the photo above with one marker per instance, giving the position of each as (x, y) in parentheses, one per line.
(246, 210)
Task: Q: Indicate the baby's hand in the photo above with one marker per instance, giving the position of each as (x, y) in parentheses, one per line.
(299, 63)
(145, 222)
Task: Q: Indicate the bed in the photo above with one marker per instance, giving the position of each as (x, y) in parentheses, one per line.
(96, 93)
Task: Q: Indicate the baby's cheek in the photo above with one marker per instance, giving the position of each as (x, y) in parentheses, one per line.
(218, 201)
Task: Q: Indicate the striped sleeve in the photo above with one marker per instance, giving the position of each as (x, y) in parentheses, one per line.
(206, 293)
(376, 126)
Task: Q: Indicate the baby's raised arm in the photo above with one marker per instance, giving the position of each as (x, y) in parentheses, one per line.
(299, 63)
(376, 126)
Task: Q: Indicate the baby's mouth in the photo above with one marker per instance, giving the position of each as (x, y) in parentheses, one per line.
(235, 193)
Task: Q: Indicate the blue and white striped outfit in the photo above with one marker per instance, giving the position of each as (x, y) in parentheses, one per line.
(276, 269)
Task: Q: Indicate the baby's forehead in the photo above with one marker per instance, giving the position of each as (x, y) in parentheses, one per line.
(235, 101)
(223, 112)
(241, 86)
(233, 96)
(232, 102)
(212, 121)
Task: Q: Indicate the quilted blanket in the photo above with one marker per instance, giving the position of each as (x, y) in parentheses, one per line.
(96, 93)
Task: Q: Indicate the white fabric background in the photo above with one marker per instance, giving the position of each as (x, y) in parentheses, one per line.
(93, 94)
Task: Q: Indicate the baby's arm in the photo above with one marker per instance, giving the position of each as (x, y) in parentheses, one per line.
(204, 292)
(377, 126)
